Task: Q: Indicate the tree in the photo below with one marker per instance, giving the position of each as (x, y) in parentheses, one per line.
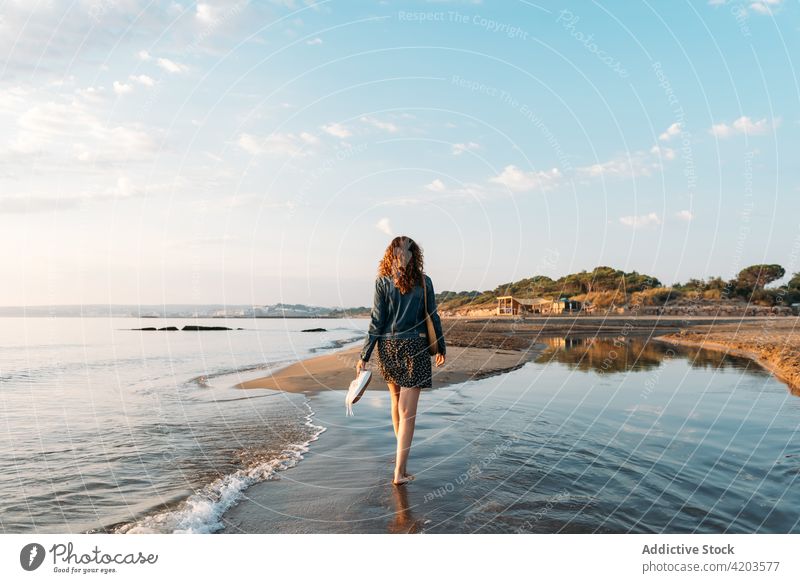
(757, 276)
(635, 281)
(695, 284)
(716, 283)
(606, 278)
(794, 283)
(576, 282)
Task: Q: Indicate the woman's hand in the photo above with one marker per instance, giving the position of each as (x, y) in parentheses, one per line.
(439, 359)
(360, 365)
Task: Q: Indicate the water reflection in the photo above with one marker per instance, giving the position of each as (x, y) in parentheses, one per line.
(619, 354)
(403, 521)
(687, 440)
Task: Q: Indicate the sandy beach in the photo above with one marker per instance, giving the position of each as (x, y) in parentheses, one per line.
(474, 352)
(335, 371)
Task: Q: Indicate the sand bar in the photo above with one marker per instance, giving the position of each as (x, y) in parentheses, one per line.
(335, 371)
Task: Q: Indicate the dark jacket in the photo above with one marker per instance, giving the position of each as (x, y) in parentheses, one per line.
(396, 315)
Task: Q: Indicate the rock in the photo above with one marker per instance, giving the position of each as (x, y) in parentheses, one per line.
(194, 328)
(169, 328)
(314, 330)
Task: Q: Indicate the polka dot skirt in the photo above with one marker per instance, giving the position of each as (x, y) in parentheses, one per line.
(405, 361)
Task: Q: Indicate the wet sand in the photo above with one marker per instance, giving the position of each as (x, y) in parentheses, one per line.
(343, 484)
(335, 371)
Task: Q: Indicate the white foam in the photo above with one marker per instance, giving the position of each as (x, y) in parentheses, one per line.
(202, 512)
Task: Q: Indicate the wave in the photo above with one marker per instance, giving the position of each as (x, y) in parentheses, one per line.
(337, 343)
(56, 368)
(203, 380)
(202, 512)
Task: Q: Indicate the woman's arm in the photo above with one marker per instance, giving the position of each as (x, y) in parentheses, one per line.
(434, 314)
(377, 321)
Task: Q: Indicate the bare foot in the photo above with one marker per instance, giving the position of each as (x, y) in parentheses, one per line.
(400, 480)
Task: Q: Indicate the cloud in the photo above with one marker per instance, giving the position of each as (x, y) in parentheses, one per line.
(60, 127)
(144, 55)
(666, 153)
(384, 227)
(118, 144)
(91, 94)
(684, 215)
(123, 189)
(50, 37)
(757, 6)
(640, 221)
(459, 149)
(277, 144)
(314, 41)
(744, 125)
(518, 180)
(632, 165)
(308, 138)
(765, 6)
(13, 98)
(35, 203)
(437, 191)
(171, 66)
(381, 125)
(436, 186)
(205, 13)
(122, 88)
(670, 132)
(143, 80)
(337, 130)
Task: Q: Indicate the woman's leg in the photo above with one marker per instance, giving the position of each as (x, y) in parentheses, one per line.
(407, 407)
(394, 391)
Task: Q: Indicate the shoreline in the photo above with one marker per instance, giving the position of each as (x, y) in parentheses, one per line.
(775, 348)
(772, 342)
(471, 354)
(334, 371)
(483, 347)
(728, 348)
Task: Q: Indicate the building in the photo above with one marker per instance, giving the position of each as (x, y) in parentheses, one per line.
(511, 306)
(567, 305)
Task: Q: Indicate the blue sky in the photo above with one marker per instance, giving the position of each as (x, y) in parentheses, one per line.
(256, 152)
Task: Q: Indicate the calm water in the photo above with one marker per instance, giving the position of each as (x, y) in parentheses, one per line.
(109, 428)
(603, 436)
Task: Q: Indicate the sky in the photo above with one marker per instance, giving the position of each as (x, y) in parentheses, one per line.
(261, 152)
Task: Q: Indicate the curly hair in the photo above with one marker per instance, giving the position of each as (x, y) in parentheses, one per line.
(403, 261)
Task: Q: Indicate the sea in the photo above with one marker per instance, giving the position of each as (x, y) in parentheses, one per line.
(111, 429)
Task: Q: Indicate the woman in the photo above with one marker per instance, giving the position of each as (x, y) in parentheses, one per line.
(397, 326)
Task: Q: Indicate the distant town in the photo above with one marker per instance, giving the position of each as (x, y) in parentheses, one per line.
(279, 310)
